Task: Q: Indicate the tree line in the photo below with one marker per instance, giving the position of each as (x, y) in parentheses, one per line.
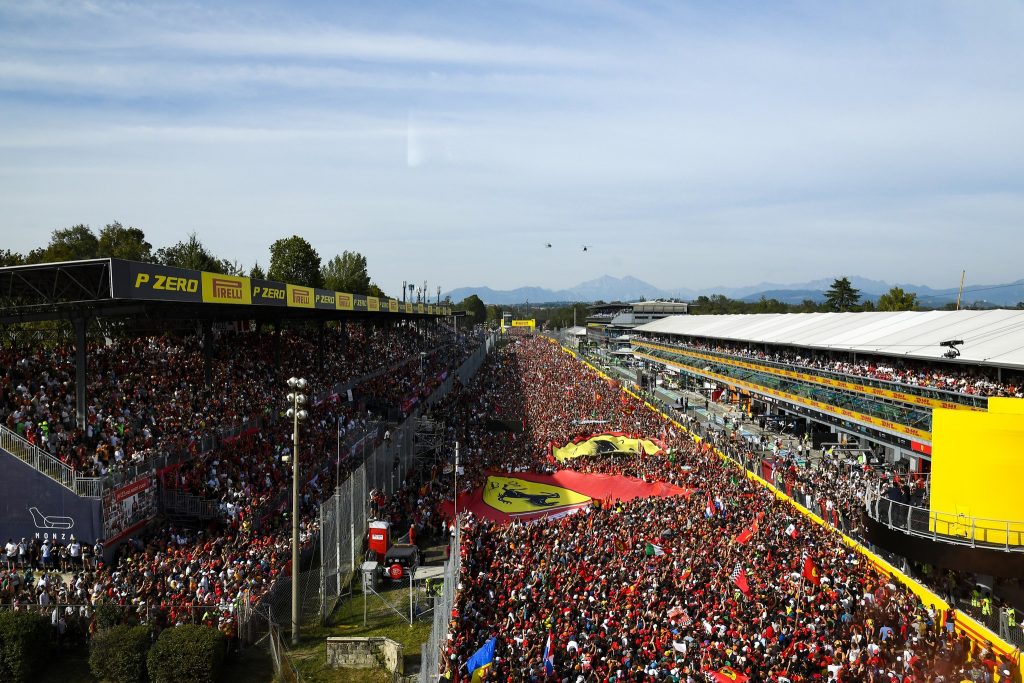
(292, 259)
(841, 297)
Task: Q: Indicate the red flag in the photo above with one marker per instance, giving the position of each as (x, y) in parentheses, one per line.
(811, 573)
(739, 577)
(727, 674)
(745, 535)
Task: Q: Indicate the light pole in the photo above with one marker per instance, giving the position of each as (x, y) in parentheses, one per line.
(297, 414)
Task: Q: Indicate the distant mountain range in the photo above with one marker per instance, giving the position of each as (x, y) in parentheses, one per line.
(609, 288)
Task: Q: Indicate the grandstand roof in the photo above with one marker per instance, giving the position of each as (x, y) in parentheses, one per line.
(991, 337)
(116, 287)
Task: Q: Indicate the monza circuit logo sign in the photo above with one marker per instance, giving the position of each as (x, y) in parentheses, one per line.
(42, 521)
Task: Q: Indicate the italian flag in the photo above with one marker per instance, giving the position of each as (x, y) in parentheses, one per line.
(653, 550)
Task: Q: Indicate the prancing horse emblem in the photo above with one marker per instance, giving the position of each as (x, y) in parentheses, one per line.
(515, 491)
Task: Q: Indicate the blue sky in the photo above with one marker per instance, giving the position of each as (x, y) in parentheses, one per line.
(690, 144)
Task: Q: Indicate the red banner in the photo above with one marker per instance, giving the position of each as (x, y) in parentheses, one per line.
(505, 496)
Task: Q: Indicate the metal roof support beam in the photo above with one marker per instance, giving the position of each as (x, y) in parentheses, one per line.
(277, 342)
(320, 347)
(80, 323)
(207, 351)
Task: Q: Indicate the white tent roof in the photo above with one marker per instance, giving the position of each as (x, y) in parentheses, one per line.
(993, 337)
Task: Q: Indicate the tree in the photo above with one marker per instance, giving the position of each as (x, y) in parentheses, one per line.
(842, 296)
(897, 300)
(294, 260)
(10, 258)
(766, 305)
(117, 241)
(807, 306)
(347, 273)
(191, 254)
(257, 273)
(67, 244)
(374, 290)
(473, 307)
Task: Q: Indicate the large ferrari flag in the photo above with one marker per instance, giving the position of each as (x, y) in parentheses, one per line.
(611, 442)
(527, 496)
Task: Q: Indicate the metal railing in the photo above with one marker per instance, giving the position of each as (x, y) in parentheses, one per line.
(174, 502)
(958, 529)
(44, 463)
(95, 487)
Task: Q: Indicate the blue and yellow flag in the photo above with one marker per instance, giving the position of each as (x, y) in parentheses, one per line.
(481, 660)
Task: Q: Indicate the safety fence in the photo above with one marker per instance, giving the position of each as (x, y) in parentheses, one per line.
(434, 650)
(334, 540)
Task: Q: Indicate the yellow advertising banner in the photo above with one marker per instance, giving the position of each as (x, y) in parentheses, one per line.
(392, 306)
(299, 297)
(524, 323)
(407, 307)
(420, 308)
(225, 289)
(913, 399)
(605, 443)
(373, 304)
(793, 398)
(343, 301)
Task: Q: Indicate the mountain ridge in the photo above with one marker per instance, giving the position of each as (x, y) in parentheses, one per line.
(629, 288)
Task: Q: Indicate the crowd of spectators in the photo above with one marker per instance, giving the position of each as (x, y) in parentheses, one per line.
(181, 574)
(745, 581)
(915, 373)
(148, 395)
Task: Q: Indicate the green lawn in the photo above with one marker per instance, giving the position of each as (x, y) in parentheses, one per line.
(310, 656)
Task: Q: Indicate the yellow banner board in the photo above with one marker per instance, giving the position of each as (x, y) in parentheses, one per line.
(343, 301)
(226, 289)
(373, 304)
(392, 306)
(299, 297)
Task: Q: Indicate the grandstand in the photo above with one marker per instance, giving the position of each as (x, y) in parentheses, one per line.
(160, 418)
(658, 548)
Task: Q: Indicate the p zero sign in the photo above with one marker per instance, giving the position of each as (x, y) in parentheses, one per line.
(147, 281)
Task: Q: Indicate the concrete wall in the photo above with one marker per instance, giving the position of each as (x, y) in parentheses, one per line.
(365, 653)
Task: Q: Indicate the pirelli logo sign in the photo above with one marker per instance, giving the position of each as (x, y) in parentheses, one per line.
(343, 301)
(299, 297)
(226, 289)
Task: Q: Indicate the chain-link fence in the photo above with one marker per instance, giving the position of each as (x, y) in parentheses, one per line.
(386, 453)
(434, 650)
(344, 516)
